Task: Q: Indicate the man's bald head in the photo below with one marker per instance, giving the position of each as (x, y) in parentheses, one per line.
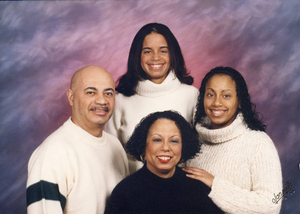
(92, 97)
(88, 70)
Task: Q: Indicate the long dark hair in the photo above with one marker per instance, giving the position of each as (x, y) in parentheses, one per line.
(246, 107)
(128, 82)
(136, 145)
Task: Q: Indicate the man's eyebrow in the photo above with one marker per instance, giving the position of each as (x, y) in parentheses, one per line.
(109, 89)
(90, 88)
(95, 89)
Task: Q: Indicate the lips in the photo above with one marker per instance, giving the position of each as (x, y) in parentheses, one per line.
(164, 159)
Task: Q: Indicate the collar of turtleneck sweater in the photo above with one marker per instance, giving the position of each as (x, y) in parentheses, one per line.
(222, 135)
(148, 88)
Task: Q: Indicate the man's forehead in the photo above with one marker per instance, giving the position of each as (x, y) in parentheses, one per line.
(97, 81)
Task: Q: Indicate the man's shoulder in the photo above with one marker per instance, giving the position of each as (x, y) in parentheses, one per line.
(56, 139)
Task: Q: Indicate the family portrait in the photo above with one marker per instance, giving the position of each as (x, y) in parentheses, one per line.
(136, 106)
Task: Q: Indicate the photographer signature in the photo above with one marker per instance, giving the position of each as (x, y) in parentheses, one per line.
(287, 189)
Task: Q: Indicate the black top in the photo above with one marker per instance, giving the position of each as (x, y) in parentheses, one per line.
(144, 192)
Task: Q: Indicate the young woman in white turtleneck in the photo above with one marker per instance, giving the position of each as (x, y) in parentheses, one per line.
(156, 80)
(238, 160)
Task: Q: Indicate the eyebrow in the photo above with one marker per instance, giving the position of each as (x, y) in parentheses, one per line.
(95, 89)
(222, 90)
(175, 135)
(90, 88)
(109, 89)
(159, 47)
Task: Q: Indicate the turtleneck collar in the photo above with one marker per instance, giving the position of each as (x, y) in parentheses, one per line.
(148, 88)
(222, 135)
(155, 178)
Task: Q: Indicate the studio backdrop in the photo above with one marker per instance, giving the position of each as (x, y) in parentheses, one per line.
(43, 43)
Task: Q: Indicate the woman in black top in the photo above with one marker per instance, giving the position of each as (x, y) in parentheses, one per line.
(161, 141)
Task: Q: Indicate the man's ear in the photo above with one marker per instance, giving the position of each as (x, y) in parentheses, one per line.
(70, 95)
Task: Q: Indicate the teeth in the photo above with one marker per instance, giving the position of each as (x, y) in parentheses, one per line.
(217, 113)
(99, 109)
(156, 66)
(164, 158)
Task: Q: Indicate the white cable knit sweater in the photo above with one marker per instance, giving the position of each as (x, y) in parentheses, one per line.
(75, 167)
(171, 94)
(245, 166)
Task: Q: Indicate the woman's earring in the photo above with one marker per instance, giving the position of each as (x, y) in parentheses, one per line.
(142, 157)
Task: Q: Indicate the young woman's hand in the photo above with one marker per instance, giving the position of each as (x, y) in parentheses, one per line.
(199, 174)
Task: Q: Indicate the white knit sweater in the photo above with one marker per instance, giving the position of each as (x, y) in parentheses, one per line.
(245, 166)
(171, 94)
(75, 167)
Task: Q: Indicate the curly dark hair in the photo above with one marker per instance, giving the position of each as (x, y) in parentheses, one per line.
(252, 118)
(136, 145)
(127, 83)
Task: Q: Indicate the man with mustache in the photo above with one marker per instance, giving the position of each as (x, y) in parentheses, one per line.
(75, 169)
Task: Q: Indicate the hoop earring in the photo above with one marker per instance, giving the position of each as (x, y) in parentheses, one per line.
(142, 157)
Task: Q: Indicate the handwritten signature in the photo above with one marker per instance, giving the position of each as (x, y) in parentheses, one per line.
(287, 189)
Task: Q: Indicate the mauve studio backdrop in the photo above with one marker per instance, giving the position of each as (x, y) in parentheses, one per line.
(43, 43)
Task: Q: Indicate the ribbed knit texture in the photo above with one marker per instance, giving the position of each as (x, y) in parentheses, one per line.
(145, 192)
(148, 88)
(245, 166)
(150, 97)
(85, 169)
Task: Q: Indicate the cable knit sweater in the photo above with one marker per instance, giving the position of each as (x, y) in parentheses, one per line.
(245, 166)
(171, 94)
(74, 172)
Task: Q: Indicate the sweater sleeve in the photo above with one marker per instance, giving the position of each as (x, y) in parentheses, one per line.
(114, 123)
(266, 182)
(46, 185)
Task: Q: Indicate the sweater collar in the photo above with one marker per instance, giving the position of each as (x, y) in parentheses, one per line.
(154, 178)
(148, 88)
(222, 135)
(83, 135)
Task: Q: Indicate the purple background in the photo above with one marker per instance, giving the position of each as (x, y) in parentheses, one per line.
(43, 43)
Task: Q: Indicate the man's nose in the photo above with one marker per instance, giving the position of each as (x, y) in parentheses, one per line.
(101, 100)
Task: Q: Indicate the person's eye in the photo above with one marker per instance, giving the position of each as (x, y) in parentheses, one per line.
(90, 93)
(164, 51)
(174, 141)
(109, 94)
(209, 95)
(146, 52)
(156, 140)
(226, 96)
